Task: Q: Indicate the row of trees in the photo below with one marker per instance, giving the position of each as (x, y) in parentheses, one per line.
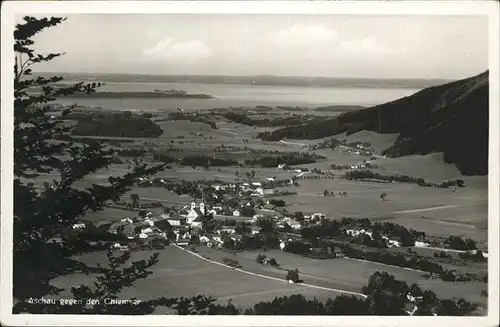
(192, 117)
(286, 159)
(266, 122)
(387, 296)
(267, 240)
(264, 260)
(367, 174)
(413, 262)
(334, 228)
(458, 243)
(118, 125)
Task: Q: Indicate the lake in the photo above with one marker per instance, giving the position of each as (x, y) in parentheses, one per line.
(237, 95)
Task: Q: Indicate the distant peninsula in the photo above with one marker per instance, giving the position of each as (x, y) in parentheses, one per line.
(156, 94)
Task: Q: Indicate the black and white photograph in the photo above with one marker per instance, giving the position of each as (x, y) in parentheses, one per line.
(270, 160)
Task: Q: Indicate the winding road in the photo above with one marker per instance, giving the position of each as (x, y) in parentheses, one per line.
(269, 277)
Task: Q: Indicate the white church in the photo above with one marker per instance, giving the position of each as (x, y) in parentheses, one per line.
(195, 212)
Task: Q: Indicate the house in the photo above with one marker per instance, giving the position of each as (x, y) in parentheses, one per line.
(162, 222)
(126, 221)
(149, 222)
(412, 298)
(104, 224)
(254, 230)
(294, 224)
(257, 216)
(264, 191)
(116, 227)
(228, 229)
(236, 213)
(282, 166)
(147, 230)
(257, 184)
(217, 239)
(204, 239)
(177, 221)
(317, 215)
(197, 223)
(236, 238)
(269, 206)
(182, 235)
(338, 252)
(395, 242)
(133, 229)
(79, 226)
(270, 179)
(421, 244)
(182, 241)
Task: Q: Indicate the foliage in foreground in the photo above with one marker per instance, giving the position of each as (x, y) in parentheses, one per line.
(39, 253)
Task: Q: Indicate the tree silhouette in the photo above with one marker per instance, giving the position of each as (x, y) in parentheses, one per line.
(40, 253)
(293, 275)
(134, 198)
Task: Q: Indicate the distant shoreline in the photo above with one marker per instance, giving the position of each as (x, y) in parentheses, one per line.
(144, 95)
(257, 80)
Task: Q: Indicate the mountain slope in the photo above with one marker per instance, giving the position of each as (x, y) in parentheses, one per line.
(451, 118)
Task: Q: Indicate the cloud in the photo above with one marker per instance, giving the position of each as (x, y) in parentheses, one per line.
(304, 34)
(367, 46)
(187, 51)
(322, 43)
(247, 30)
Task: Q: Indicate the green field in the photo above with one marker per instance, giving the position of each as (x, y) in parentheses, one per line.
(345, 274)
(109, 214)
(181, 274)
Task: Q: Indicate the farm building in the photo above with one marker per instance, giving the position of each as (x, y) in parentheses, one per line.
(257, 216)
(269, 206)
(265, 191)
(197, 223)
(394, 242)
(177, 221)
(227, 229)
(254, 230)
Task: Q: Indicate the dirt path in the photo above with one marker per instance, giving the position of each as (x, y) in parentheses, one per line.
(428, 209)
(269, 277)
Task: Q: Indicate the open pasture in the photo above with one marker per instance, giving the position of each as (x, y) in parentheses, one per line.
(461, 212)
(108, 214)
(378, 142)
(436, 227)
(343, 273)
(429, 167)
(180, 274)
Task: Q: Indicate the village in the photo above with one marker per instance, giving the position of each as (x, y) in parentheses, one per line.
(228, 213)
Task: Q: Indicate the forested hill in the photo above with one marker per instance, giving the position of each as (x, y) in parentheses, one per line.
(450, 118)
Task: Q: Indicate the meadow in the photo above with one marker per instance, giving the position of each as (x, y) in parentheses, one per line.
(179, 273)
(343, 273)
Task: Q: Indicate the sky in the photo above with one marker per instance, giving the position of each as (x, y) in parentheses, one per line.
(367, 46)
